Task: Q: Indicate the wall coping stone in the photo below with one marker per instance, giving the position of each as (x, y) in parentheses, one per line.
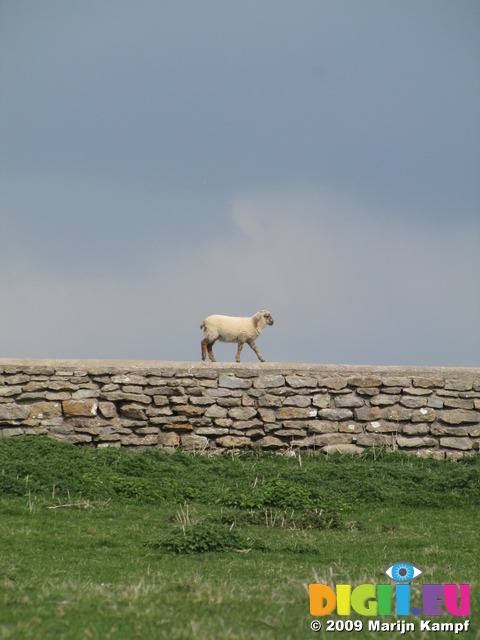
(151, 366)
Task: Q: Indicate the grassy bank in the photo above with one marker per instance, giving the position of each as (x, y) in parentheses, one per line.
(114, 544)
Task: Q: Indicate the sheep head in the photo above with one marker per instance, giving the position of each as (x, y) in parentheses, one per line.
(265, 315)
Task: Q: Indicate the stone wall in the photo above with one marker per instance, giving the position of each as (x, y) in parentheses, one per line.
(218, 407)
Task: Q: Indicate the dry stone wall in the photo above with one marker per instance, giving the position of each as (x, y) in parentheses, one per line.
(216, 407)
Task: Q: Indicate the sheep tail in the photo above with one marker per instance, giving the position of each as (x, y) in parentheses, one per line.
(202, 325)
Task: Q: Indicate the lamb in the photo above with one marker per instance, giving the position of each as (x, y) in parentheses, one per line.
(230, 329)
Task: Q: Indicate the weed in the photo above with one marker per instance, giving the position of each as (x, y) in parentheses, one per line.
(201, 536)
(285, 519)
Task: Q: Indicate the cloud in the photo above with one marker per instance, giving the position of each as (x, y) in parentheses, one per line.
(345, 284)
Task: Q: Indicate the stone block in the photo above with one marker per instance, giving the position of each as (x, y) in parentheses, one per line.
(215, 411)
(231, 442)
(436, 454)
(107, 409)
(201, 401)
(194, 442)
(9, 392)
(80, 407)
(458, 385)
(242, 425)
(367, 413)
(15, 431)
(380, 426)
(131, 379)
(414, 391)
(14, 412)
(464, 444)
(74, 438)
(374, 440)
(212, 431)
(188, 410)
(396, 414)
(17, 379)
(120, 396)
(425, 414)
(299, 382)
(58, 396)
(232, 382)
(321, 400)
(415, 442)
(182, 426)
(383, 400)
(459, 416)
(242, 413)
(296, 401)
(269, 400)
(342, 448)
(133, 411)
(169, 439)
(318, 426)
(155, 412)
(459, 403)
(270, 442)
(456, 455)
(266, 415)
(247, 401)
(269, 381)
(61, 385)
(335, 414)
(229, 402)
(291, 433)
(415, 429)
(139, 441)
(147, 430)
(82, 394)
(45, 410)
(350, 427)
(414, 402)
(333, 382)
(291, 413)
(350, 400)
(40, 385)
(223, 422)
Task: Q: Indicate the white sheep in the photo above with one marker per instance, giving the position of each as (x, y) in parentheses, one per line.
(230, 329)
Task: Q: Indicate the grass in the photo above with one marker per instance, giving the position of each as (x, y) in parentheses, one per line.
(115, 544)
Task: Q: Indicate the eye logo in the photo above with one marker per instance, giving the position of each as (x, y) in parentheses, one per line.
(402, 572)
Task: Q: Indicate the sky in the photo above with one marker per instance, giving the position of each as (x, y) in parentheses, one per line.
(164, 160)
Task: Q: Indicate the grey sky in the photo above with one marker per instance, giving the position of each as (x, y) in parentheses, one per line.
(161, 161)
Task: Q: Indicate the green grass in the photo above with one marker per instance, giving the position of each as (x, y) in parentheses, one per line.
(115, 544)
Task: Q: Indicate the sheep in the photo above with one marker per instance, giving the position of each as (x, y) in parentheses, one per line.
(230, 329)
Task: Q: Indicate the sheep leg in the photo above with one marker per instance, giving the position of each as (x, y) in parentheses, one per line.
(239, 351)
(207, 346)
(254, 347)
(210, 352)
